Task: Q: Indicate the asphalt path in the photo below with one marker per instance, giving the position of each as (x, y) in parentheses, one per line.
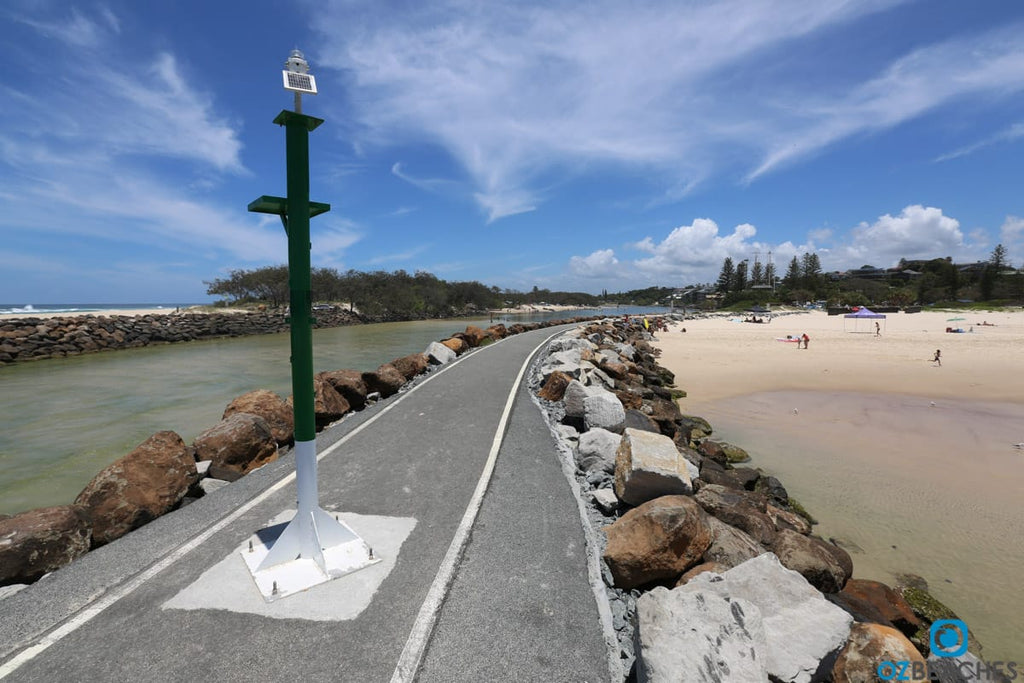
(491, 588)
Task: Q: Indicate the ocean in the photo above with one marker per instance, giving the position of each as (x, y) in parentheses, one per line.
(29, 310)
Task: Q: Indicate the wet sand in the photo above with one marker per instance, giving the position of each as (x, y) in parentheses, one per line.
(911, 465)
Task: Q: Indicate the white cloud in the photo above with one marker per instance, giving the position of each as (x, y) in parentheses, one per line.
(76, 29)
(520, 93)
(1011, 236)
(991, 63)
(599, 264)
(1011, 134)
(694, 253)
(917, 232)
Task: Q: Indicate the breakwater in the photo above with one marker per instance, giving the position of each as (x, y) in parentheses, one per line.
(165, 472)
(32, 338)
(712, 571)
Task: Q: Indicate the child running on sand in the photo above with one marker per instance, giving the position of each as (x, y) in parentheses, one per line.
(937, 359)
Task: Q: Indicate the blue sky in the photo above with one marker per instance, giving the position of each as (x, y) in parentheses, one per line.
(567, 145)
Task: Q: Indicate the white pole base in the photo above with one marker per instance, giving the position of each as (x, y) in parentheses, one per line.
(280, 567)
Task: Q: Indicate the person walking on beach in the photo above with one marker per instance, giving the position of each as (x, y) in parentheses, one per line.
(805, 339)
(938, 358)
(878, 330)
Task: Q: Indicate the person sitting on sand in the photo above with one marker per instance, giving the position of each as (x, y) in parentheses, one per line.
(938, 358)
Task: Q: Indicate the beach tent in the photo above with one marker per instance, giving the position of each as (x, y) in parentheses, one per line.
(863, 313)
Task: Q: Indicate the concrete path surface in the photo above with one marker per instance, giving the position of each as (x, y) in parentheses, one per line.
(480, 580)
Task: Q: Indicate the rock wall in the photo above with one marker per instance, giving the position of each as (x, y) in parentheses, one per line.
(24, 339)
(710, 570)
(164, 473)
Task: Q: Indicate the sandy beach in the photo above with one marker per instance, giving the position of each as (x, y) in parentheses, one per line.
(717, 358)
(908, 464)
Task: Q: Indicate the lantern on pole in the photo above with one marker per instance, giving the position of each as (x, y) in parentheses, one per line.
(315, 546)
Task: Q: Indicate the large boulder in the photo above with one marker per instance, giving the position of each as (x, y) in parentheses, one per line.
(568, 361)
(885, 602)
(647, 466)
(686, 636)
(574, 396)
(348, 383)
(386, 380)
(411, 365)
(456, 344)
(666, 413)
(868, 647)
(554, 387)
(773, 488)
(730, 546)
(236, 446)
(474, 336)
(40, 541)
(802, 629)
(328, 404)
(603, 410)
(742, 509)
(660, 539)
(597, 450)
(439, 354)
(813, 558)
(496, 331)
(141, 486)
(784, 519)
(271, 407)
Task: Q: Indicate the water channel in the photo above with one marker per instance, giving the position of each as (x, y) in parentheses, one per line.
(65, 419)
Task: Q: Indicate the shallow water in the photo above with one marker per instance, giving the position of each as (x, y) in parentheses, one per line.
(934, 490)
(62, 420)
(66, 419)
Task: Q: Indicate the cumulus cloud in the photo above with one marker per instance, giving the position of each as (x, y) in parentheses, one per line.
(917, 232)
(694, 253)
(1011, 235)
(599, 264)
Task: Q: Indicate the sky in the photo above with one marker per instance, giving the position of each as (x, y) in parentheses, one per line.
(581, 146)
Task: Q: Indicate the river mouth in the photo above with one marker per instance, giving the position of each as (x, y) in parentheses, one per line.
(907, 484)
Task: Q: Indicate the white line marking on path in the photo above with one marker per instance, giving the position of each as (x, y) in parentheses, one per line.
(87, 614)
(412, 653)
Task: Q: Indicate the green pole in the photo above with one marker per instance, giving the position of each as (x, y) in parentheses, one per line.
(299, 278)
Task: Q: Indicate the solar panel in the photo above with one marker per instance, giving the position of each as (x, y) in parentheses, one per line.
(304, 83)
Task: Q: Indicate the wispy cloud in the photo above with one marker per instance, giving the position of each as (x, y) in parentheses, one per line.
(988, 64)
(1011, 134)
(522, 93)
(395, 257)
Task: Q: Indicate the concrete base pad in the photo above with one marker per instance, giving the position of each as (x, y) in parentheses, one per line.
(229, 585)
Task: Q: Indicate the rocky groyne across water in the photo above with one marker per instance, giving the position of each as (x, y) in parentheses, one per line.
(710, 569)
(23, 339)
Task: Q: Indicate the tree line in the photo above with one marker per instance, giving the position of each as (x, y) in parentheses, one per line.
(913, 281)
(399, 295)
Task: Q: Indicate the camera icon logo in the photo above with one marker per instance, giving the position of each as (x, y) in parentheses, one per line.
(948, 637)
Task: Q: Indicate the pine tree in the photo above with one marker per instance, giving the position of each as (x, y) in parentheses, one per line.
(740, 280)
(727, 277)
(792, 278)
(757, 274)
